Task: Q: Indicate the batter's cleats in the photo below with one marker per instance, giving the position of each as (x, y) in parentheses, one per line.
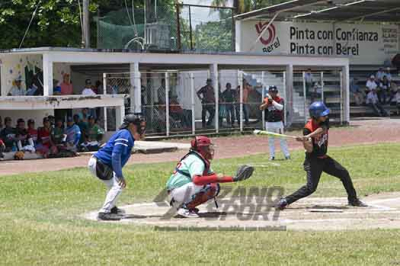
(116, 210)
(357, 203)
(108, 216)
(282, 204)
(271, 158)
(185, 213)
(287, 157)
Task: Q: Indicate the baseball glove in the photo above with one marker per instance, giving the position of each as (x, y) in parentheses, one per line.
(19, 155)
(244, 172)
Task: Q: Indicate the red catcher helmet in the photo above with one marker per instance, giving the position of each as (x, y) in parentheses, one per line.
(203, 145)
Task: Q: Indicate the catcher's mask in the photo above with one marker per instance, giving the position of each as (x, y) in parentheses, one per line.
(203, 145)
(135, 119)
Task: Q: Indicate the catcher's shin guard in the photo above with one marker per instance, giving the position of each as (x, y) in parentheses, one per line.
(210, 191)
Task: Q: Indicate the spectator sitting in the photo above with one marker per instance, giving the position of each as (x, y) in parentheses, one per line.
(58, 135)
(66, 85)
(371, 84)
(176, 110)
(82, 124)
(45, 144)
(93, 137)
(387, 74)
(32, 131)
(32, 90)
(373, 102)
(83, 116)
(52, 120)
(356, 92)
(73, 133)
(2, 149)
(24, 141)
(8, 135)
(393, 91)
(397, 98)
(379, 75)
(384, 90)
(88, 88)
(16, 89)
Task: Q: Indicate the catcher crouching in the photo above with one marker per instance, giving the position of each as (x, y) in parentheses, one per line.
(194, 182)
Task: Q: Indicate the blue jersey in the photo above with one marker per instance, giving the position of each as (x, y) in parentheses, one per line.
(117, 151)
(73, 134)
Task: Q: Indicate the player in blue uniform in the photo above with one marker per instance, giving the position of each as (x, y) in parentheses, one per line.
(107, 163)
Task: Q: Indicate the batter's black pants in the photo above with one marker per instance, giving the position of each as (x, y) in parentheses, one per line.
(314, 168)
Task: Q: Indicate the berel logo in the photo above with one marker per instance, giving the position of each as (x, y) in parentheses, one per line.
(272, 41)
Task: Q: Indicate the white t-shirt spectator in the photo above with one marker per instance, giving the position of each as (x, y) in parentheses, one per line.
(15, 91)
(371, 84)
(88, 91)
(372, 98)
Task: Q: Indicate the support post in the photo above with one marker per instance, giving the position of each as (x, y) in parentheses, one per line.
(289, 93)
(193, 103)
(119, 115)
(240, 81)
(47, 75)
(322, 86)
(346, 90)
(167, 102)
(264, 87)
(105, 108)
(284, 100)
(135, 94)
(214, 75)
(305, 97)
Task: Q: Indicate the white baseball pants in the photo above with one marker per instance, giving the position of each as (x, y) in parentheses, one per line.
(113, 188)
(276, 127)
(185, 193)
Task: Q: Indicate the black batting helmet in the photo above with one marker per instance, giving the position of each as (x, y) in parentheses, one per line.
(132, 118)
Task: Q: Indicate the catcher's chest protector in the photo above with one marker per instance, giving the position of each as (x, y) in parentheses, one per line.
(198, 155)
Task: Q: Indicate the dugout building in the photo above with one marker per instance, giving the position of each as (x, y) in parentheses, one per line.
(274, 46)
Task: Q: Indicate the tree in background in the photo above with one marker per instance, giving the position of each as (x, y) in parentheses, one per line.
(57, 22)
(242, 6)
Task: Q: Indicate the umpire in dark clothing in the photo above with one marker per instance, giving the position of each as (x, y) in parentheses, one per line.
(207, 98)
(315, 141)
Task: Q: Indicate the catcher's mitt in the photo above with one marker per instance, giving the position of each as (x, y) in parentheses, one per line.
(244, 172)
(19, 155)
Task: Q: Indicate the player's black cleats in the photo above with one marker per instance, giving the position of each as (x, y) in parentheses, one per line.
(108, 216)
(282, 204)
(357, 203)
(116, 210)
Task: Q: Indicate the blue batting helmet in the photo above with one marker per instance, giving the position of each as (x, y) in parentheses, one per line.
(318, 109)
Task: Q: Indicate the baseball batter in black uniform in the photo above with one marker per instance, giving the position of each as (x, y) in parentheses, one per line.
(315, 141)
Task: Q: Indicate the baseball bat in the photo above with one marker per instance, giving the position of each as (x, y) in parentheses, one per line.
(272, 134)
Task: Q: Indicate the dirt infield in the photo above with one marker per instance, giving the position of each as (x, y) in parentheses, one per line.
(316, 214)
(359, 132)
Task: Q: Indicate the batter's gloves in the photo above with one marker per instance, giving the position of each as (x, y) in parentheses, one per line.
(244, 172)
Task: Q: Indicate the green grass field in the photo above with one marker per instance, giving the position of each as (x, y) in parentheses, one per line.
(40, 223)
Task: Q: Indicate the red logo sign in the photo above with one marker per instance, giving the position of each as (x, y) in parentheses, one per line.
(271, 32)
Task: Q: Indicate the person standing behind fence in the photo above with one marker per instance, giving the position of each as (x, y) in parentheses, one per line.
(246, 91)
(229, 98)
(274, 114)
(207, 99)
